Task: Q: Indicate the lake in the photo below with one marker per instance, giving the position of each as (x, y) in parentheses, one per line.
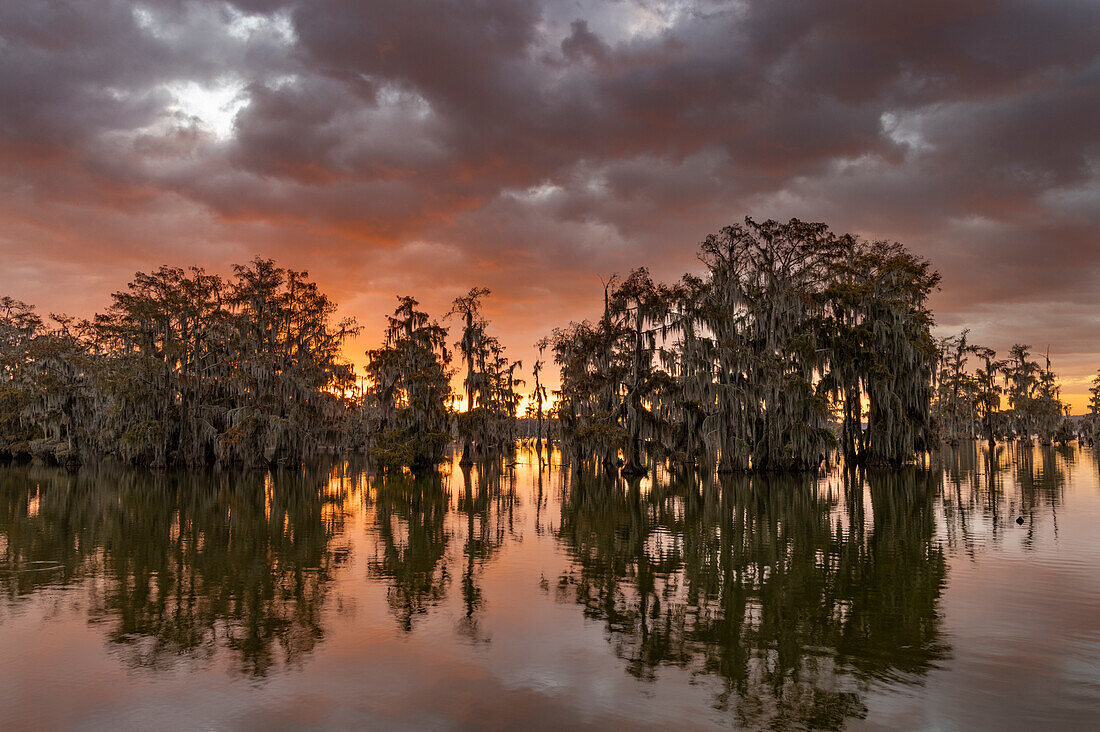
(531, 595)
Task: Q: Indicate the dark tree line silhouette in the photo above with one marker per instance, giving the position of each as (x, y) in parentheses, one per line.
(968, 402)
(745, 366)
(184, 368)
(791, 342)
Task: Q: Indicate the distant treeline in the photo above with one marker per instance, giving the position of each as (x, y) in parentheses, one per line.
(793, 341)
(1012, 398)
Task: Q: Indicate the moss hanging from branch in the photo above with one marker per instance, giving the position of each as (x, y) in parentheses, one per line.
(747, 366)
(185, 368)
(488, 425)
(409, 389)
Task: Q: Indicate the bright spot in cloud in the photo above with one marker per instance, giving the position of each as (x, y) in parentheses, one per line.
(535, 194)
(904, 131)
(278, 24)
(215, 107)
(142, 16)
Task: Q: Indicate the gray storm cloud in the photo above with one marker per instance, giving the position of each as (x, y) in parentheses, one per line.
(532, 147)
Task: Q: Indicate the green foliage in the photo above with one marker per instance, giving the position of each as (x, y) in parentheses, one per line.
(183, 368)
(488, 425)
(747, 366)
(970, 403)
(409, 389)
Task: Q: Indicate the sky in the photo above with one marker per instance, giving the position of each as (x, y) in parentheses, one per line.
(420, 147)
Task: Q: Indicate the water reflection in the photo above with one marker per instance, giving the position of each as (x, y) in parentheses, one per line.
(790, 601)
(175, 565)
(417, 518)
(988, 492)
(488, 506)
(410, 518)
(771, 583)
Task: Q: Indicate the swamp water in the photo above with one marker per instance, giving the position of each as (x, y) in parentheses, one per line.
(525, 598)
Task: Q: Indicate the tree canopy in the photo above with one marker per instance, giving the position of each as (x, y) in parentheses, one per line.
(790, 341)
(746, 366)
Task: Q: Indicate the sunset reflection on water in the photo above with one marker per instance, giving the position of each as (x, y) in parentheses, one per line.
(514, 595)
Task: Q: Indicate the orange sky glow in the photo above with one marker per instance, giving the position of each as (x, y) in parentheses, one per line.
(409, 147)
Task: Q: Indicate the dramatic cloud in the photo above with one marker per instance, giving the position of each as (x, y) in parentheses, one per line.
(420, 146)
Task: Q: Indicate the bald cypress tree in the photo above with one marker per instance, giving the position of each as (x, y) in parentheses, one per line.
(538, 394)
(488, 424)
(19, 326)
(988, 393)
(62, 403)
(593, 371)
(641, 307)
(787, 268)
(1091, 426)
(790, 325)
(1021, 384)
(290, 371)
(899, 378)
(406, 400)
(186, 368)
(685, 399)
(1049, 408)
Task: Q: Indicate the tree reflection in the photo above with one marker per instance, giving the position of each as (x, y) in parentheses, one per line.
(410, 518)
(990, 492)
(180, 565)
(487, 505)
(793, 594)
(415, 528)
(768, 583)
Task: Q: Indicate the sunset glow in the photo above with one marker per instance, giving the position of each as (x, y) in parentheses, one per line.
(550, 364)
(534, 148)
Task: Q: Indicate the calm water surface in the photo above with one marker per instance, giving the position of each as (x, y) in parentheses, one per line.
(523, 597)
